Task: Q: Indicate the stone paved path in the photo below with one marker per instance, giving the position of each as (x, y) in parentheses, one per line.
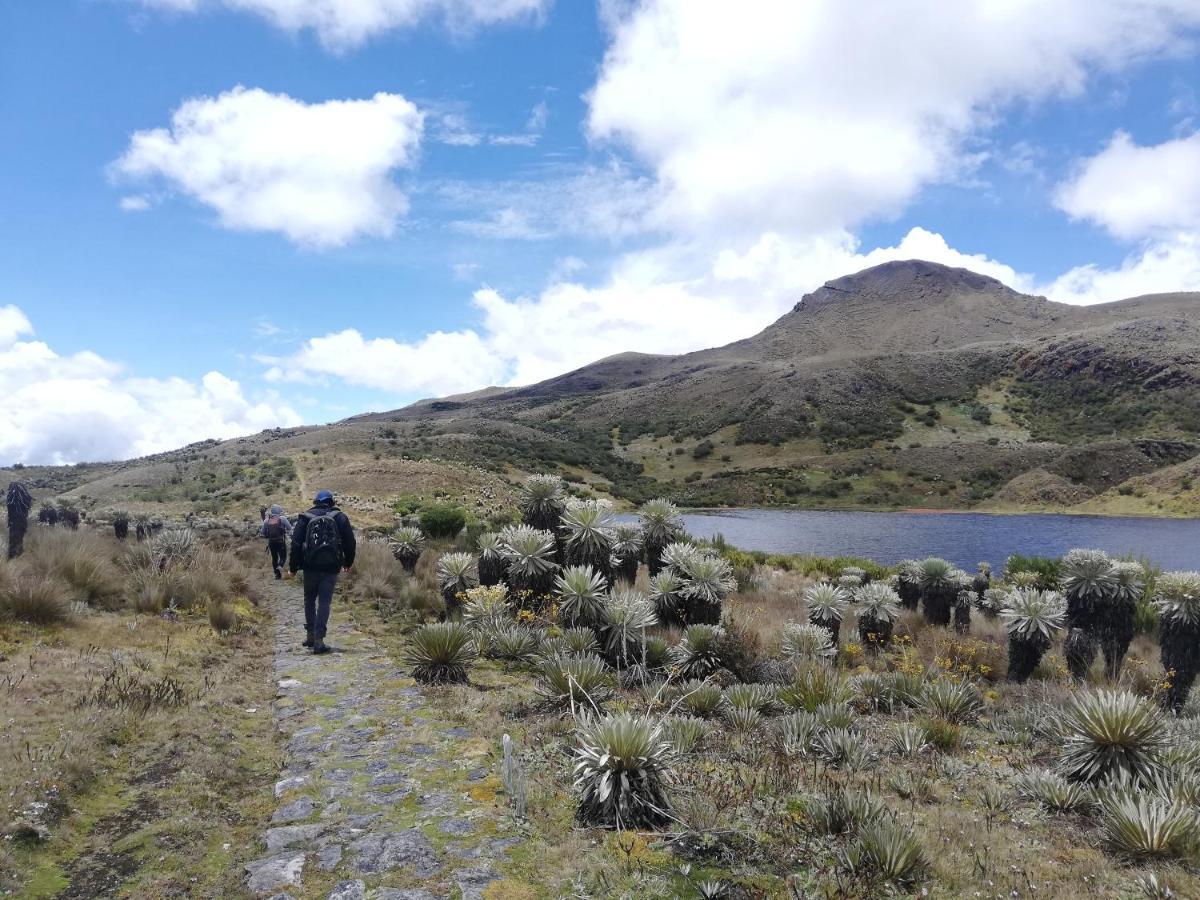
(377, 800)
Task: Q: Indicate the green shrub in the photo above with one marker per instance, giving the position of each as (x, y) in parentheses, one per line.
(442, 520)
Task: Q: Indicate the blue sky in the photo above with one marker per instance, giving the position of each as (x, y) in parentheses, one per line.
(452, 193)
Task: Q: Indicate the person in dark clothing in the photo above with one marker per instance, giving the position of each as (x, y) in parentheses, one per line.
(322, 545)
(276, 529)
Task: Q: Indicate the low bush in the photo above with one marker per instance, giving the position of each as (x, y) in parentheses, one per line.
(442, 520)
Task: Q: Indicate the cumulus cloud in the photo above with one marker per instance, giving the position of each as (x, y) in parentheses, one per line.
(66, 408)
(807, 117)
(439, 363)
(651, 302)
(1162, 266)
(343, 24)
(319, 173)
(1137, 192)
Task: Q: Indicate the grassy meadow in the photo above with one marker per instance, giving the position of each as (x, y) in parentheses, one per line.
(668, 718)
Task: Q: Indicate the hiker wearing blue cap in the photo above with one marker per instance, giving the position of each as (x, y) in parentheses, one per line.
(322, 545)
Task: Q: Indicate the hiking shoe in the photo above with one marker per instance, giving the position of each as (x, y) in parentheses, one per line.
(308, 640)
(321, 647)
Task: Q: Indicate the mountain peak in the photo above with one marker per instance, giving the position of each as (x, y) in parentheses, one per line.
(903, 277)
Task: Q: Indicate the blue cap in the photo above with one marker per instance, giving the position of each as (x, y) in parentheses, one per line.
(324, 497)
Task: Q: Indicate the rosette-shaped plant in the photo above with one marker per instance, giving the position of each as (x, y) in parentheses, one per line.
(827, 604)
(582, 593)
(542, 502)
(622, 769)
(661, 525)
(877, 607)
(1178, 603)
(587, 533)
(1032, 618)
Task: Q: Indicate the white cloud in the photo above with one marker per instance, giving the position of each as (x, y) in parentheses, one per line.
(775, 115)
(63, 409)
(135, 204)
(1137, 192)
(440, 363)
(651, 303)
(590, 201)
(514, 140)
(342, 24)
(318, 173)
(454, 129)
(537, 117)
(1160, 267)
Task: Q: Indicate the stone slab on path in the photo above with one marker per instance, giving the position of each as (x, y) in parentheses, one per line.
(375, 797)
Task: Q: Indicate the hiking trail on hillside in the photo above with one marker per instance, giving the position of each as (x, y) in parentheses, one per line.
(377, 798)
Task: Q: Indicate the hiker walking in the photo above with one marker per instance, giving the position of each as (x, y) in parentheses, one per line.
(276, 529)
(322, 543)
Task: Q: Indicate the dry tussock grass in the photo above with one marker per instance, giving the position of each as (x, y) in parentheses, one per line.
(83, 560)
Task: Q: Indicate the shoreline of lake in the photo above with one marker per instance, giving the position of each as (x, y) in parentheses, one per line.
(942, 511)
(965, 538)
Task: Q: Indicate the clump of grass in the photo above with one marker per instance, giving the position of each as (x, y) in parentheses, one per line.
(1054, 793)
(79, 559)
(574, 681)
(814, 686)
(377, 574)
(907, 739)
(959, 703)
(36, 599)
(701, 698)
(889, 852)
(441, 653)
(945, 736)
(840, 811)
(513, 643)
(221, 615)
(684, 733)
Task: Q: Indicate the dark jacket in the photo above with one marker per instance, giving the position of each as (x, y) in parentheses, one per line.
(300, 529)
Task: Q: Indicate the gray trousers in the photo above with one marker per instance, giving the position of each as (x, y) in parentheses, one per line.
(318, 595)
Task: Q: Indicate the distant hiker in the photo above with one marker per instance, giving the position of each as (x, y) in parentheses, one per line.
(276, 529)
(19, 503)
(322, 543)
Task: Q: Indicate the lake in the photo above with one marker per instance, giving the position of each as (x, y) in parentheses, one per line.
(963, 538)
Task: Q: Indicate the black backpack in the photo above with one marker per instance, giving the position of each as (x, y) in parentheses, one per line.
(323, 541)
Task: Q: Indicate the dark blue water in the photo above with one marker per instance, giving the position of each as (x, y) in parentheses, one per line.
(963, 538)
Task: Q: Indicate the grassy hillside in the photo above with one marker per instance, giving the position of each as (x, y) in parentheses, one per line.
(908, 385)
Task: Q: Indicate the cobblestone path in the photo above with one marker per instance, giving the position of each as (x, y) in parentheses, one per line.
(377, 799)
